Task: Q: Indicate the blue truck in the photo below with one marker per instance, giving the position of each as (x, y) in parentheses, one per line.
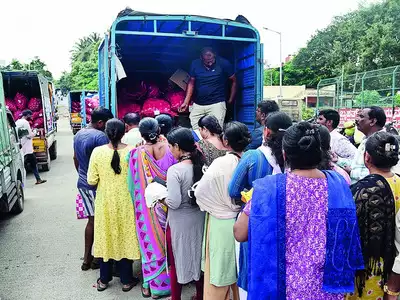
(78, 119)
(151, 45)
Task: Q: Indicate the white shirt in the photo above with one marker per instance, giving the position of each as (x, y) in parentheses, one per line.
(132, 137)
(212, 190)
(341, 146)
(26, 141)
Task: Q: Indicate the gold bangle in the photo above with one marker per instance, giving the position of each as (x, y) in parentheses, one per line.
(389, 292)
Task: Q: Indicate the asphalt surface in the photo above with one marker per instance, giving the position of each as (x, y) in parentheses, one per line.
(41, 249)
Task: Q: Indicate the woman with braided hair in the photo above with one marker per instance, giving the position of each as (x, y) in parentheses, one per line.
(115, 230)
(377, 198)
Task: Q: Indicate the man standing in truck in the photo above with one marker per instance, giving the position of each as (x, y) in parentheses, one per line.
(84, 142)
(27, 143)
(208, 78)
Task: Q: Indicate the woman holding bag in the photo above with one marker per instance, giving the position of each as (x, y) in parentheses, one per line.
(219, 255)
(185, 220)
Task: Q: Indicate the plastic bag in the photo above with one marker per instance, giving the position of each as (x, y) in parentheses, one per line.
(89, 111)
(92, 103)
(11, 105)
(35, 104)
(132, 92)
(38, 123)
(153, 90)
(17, 114)
(38, 114)
(21, 101)
(154, 107)
(125, 108)
(76, 107)
(176, 99)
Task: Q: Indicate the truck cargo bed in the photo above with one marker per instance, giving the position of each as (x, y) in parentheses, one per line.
(155, 46)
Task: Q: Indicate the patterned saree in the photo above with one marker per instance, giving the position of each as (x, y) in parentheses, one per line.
(151, 234)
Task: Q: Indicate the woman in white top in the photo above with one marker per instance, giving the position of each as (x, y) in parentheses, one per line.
(219, 255)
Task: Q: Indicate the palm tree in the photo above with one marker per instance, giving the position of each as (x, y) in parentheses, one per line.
(83, 48)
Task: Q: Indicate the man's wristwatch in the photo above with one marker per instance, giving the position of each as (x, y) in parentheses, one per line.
(389, 292)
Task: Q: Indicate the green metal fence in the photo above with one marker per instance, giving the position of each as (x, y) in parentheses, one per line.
(379, 87)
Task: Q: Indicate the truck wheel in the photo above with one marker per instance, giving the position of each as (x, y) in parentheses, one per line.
(19, 204)
(53, 151)
(46, 166)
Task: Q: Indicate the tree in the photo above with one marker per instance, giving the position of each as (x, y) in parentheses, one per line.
(291, 75)
(367, 98)
(83, 48)
(16, 65)
(65, 82)
(84, 61)
(307, 113)
(366, 39)
(37, 65)
(34, 65)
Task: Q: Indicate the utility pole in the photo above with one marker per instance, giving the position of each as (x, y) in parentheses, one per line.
(280, 59)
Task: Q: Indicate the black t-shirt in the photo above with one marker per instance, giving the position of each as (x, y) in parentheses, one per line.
(210, 84)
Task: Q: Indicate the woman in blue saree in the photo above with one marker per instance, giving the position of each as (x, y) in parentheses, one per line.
(303, 234)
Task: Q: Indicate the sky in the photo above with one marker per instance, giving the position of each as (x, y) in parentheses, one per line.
(49, 29)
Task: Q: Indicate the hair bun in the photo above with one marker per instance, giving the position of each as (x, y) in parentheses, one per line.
(153, 136)
(306, 142)
(310, 132)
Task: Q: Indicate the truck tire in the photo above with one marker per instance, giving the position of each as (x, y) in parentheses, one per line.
(46, 166)
(53, 151)
(19, 204)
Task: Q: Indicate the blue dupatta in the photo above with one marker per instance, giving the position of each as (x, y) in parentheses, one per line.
(267, 240)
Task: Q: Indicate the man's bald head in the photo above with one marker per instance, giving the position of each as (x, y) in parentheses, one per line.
(132, 120)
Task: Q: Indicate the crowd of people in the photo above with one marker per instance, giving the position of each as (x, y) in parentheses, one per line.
(290, 211)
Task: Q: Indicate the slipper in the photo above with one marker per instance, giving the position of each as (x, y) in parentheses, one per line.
(128, 287)
(144, 295)
(85, 266)
(94, 265)
(101, 288)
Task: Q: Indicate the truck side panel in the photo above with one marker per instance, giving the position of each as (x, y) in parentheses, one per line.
(47, 104)
(5, 143)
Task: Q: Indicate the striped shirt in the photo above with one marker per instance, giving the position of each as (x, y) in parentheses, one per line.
(252, 166)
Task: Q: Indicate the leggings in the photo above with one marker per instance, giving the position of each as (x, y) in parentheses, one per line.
(176, 287)
(125, 269)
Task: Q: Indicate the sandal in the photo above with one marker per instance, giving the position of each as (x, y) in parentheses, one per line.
(95, 264)
(85, 266)
(128, 287)
(101, 286)
(146, 293)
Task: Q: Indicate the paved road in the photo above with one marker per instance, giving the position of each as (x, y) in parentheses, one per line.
(41, 249)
